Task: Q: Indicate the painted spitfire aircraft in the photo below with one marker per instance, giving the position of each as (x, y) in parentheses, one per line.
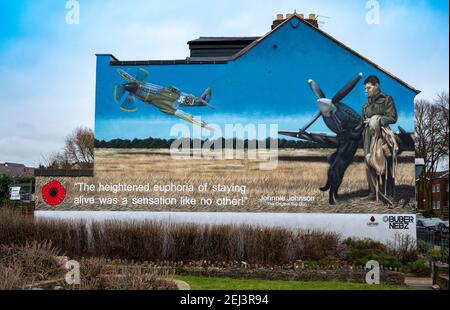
(338, 116)
(166, 99)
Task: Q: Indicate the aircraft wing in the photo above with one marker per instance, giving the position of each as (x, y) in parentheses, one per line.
(321, 138)
(405, 140)
(164, 106)
(189, 118)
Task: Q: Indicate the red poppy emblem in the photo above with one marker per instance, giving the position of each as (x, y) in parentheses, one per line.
(53, 193)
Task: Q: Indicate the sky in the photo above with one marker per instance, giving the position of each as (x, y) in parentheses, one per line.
(47, 67)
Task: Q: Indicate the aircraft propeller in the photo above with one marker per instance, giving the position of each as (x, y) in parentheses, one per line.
(126, 102)
(316, 89)
(346, 89)
(327, 107)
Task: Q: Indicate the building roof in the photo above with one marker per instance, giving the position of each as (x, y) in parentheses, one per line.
(223, 59)
(218, 46)
(326, 35)
(12, 165)
(15, 170)
(440, 175)
(223, 39)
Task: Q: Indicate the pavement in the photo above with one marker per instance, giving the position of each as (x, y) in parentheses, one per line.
(419, 283)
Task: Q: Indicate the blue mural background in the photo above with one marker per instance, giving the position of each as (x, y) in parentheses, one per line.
(266, 85)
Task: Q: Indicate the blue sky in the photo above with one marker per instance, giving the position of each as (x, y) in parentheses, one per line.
(47, 68)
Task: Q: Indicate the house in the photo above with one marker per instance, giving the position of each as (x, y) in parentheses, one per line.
(255, 79)
(437, 201)
(439, 194)
(14, 170)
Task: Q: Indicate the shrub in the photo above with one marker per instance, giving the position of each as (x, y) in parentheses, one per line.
(18, 229)
(27, 264)
(158, 241)
(360, 251)
(434, 254)
(97, 274)
(418, 267)
(423, 246)
(36, 264)
(404, 248)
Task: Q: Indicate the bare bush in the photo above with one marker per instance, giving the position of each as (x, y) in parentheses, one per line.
(158, 241)
(404, 248)
(36, 265)
(27, 264)
(78, 151)
(97, 274)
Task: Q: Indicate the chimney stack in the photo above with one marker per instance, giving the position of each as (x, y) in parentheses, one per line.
(279, 20)
(312, 19)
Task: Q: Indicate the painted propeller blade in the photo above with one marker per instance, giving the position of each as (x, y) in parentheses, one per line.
(119, 91)
(311, 122)
(346, 89)
(128, 104)
(316, 89)
(142, 74)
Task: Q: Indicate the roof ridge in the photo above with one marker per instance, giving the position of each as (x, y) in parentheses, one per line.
(256, 42)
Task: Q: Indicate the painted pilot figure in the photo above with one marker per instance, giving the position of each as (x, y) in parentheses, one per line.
(378, 112)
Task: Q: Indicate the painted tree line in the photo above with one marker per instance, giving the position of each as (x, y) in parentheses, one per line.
(154, 143)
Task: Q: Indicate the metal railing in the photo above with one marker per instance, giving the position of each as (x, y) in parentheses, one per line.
(434, 238)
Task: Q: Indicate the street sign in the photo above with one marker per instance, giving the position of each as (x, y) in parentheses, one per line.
(15, 193)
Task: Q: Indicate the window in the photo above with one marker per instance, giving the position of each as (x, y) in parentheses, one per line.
(436, 205)
(435, 188)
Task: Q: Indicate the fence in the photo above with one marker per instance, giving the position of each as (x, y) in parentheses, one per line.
(64, 172)
(434, 238)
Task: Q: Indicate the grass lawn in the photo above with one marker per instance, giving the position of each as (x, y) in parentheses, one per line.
(215, 283)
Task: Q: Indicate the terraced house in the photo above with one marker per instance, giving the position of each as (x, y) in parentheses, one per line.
(439, 194)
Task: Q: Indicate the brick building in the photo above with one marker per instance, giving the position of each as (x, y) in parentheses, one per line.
(437, 188)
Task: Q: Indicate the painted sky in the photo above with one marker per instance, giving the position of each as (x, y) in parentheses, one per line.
(47, 67)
